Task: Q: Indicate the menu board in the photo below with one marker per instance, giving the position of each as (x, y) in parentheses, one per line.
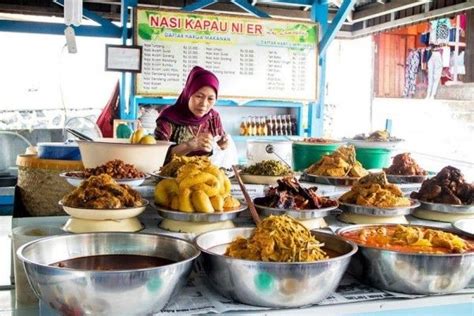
(253, 58)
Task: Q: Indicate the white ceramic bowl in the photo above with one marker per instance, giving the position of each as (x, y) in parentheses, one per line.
(76, 181)
(146, 158)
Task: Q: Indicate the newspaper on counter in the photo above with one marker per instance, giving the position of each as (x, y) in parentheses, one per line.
(199, 297)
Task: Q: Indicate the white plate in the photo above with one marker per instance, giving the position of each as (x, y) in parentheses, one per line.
(466, 226)
(371, 144)
(104, 214)
(252, 179)
(76, 181)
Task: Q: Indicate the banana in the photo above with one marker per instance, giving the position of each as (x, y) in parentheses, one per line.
(137, 136)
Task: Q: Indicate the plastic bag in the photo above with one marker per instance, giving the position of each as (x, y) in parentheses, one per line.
(224, 158)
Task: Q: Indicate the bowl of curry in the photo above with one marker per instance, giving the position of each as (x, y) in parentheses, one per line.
(411, 259)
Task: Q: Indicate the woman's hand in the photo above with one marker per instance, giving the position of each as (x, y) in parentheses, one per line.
(223, 143)
(201, 142)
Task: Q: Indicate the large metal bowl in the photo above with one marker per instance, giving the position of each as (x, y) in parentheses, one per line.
(412, 273)
(272, 284)
(119, 292)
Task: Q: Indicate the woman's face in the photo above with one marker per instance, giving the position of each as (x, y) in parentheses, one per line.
(202, 101)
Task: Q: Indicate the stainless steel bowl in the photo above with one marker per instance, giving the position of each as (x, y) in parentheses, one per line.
(272, 284)
(412, 273)
(119, 292)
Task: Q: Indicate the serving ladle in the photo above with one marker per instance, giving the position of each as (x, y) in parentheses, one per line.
(271, 150)
(249, 201)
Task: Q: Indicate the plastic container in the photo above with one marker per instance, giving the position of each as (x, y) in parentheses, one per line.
(373, 158)
(146, 158)
(20, 236)
(61, 151)
(304, 155)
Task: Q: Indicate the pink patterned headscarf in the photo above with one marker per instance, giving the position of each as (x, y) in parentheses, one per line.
(179, 113)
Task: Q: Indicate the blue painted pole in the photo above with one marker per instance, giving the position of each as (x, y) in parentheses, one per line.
(336, 25)
(125, 111)
(319, 14)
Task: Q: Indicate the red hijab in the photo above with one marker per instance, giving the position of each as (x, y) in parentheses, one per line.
(179, 113)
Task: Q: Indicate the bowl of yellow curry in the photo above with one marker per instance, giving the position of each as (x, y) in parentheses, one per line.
(411, 259)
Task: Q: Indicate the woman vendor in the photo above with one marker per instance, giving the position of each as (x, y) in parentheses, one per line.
(191, 122)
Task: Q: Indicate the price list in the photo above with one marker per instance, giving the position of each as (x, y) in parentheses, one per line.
(298, 71)
(247, 62)
(264, 67)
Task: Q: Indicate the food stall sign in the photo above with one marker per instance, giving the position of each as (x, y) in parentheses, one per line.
(253, 58)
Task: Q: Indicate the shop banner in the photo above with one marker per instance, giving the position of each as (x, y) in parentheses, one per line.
(253, 58)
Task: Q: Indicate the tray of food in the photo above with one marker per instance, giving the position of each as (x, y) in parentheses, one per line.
(404, 169)
(290, 198)
(121, 172)
(373, 195)
(379, 211)
(200, 192)
(110, 200)
(265, 172)
(447, 208)
(316, 141)
(227, 214)
(447, 192)
(342, 181)
(338, 168)
(408, 259)
(377, 139)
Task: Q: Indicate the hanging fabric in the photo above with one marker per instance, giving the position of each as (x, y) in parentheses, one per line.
(439, 31)
(435, 68)
(411, 69)
(109, 113)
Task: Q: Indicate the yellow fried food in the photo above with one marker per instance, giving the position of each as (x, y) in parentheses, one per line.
(175, 202)
(198, 187)
(231, 202)
(202, 181)
(201, 202)
(374, 190)
(172, 167)
(219, 174)
(227, 186)
(341, 163)
(217, 202)
(164, 192)
(185, 204)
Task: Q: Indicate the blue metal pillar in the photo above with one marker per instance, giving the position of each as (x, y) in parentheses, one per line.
(127, 110)
(319, 14)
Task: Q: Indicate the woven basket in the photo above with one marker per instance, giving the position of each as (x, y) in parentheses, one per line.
(40, 184)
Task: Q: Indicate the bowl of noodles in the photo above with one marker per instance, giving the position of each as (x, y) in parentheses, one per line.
(278, 264)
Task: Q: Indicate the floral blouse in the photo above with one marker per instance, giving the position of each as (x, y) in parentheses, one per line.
(166, 130)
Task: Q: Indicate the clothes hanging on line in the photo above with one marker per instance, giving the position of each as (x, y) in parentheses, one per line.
(435, 68)
(439, 31)
(411, 69)
(459, 62)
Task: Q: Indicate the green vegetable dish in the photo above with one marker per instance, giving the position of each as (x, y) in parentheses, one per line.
(268, 168)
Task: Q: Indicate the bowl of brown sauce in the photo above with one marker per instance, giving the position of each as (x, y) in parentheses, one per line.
(107, 273)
